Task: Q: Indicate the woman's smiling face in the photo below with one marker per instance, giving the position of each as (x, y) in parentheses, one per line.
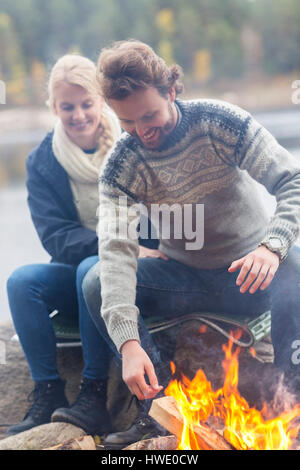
(80, 113)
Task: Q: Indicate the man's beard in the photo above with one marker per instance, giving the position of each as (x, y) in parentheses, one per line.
(164, 131)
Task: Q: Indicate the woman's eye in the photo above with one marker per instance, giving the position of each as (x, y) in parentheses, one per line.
(87, 105)
(67, 108)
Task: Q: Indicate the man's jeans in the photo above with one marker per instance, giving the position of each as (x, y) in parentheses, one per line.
(168, 289)
(33, 292)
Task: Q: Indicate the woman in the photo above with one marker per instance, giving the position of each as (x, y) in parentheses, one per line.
(62, 183)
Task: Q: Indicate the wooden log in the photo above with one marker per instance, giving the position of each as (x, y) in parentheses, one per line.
(80, 443)
(156, 443)
(165, 411)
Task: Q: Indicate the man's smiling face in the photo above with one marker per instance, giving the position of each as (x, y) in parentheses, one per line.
(147, 115)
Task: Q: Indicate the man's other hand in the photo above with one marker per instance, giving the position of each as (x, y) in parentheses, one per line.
(257, 269)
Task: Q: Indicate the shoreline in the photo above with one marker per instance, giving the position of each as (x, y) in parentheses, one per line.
(264, 94)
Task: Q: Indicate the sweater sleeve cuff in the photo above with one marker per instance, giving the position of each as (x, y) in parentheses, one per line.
(125, 331)
(285, 232)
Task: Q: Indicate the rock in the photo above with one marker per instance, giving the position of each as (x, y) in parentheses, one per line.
(16, 383)
(41, 437)
(81, 443)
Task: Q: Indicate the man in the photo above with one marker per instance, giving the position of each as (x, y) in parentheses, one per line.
(192, 153)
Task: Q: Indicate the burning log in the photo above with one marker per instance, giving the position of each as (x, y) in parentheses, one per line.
(164, 410)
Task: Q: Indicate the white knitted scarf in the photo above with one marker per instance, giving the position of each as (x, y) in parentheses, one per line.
(83, 171)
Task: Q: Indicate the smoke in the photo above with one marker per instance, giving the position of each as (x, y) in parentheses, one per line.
(284, 398)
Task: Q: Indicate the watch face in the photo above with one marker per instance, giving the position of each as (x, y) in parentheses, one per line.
(275, 243)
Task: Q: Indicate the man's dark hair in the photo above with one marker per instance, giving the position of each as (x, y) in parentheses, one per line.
(132, 65)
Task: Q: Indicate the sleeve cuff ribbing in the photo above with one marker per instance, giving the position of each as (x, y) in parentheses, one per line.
(124, 331)
(285, 232)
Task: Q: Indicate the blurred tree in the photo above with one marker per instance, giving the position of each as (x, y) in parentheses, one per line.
(165, 21)
(253, 53)
(12, 70)
(202, 65)
(235, 36)
(39, 80)
(279, 23)
(166, 26)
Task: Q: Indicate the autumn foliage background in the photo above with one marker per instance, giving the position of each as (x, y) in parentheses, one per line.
(217, 42)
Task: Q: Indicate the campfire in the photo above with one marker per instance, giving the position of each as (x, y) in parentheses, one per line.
(203, 418)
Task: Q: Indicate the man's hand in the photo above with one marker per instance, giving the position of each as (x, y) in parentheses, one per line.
(137, 364)
(258, 268)
(148, 253)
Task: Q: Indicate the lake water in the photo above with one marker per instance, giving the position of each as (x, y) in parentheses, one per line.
(19, 243)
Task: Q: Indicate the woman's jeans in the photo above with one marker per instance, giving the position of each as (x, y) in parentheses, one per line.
(167, 289)
(36, 290)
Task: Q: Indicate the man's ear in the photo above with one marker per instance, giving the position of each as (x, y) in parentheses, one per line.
(172, 94)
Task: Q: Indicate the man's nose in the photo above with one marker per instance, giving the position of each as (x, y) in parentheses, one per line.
(140, 129)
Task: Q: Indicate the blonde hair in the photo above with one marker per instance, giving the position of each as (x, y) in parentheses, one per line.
(78, 70)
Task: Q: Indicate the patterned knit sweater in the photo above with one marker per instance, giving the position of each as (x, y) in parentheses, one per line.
(212, 158)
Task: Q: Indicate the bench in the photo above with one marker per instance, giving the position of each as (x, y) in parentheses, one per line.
(253, 329)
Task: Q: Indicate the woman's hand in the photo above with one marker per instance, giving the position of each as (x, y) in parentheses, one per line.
(135, 365)
(148, 253)
(257, 269)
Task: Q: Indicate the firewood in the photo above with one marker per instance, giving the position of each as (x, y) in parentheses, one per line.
(80, 443)
(165, 411)
(156, 443)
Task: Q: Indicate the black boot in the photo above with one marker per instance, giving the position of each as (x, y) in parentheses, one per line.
(143, 427)
(46, 397)
(89, 411)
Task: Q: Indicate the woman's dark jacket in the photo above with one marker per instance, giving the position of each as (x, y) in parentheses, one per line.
(53, 211)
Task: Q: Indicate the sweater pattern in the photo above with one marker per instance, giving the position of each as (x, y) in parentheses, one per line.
(197, 159)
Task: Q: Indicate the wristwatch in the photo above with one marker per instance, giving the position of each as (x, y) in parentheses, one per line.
(276, 246)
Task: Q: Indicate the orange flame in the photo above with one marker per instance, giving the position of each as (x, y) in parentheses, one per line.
(245, 427)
